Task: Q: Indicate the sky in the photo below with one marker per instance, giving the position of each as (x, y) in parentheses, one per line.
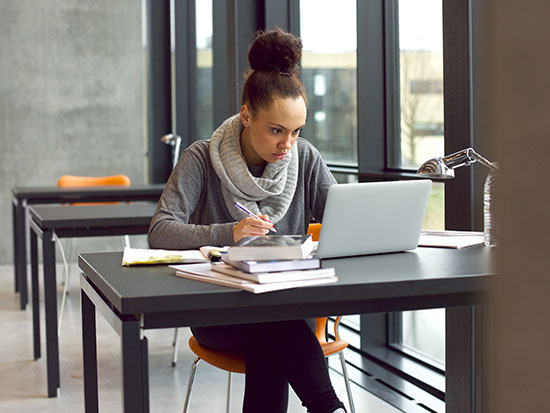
(420, 25)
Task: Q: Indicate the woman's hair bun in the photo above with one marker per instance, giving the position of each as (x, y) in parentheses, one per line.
(275, 50)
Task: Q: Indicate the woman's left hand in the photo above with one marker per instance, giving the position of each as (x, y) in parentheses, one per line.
(251, 226)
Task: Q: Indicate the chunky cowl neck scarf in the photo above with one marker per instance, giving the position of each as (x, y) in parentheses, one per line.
(269, 194)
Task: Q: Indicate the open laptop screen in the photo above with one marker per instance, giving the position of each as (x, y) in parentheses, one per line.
(374, 217)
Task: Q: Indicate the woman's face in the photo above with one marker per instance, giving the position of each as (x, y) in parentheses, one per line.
(268, 136)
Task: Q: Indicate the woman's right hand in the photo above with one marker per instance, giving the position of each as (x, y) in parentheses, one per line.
(251, 226)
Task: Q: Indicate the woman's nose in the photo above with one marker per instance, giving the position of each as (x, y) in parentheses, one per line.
(287, 141)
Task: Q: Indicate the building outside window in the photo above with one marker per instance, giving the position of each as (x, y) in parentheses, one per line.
(329, 73)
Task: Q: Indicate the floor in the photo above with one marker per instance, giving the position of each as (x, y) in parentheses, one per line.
(23, 379)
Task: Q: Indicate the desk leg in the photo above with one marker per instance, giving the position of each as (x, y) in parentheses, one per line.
(144, 374)
(133, 393)
(20, 253)
(35, 296)
(15, 241)
(89, 353)
(468, 360)
(50, 301)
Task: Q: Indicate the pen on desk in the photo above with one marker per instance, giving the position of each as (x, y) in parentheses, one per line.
(252, 214)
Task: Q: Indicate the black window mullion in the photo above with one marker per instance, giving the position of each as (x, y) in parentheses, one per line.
(284, 14)
(158, 88)
(224, 61)
(373, 22)
(457, 84)
(235, 23)
(392, 84)
(480, 133)
(185, 72)
(371, 110)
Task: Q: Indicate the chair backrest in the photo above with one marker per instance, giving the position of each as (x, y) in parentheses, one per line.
(67, 181)
(72, 181)
(314, 230)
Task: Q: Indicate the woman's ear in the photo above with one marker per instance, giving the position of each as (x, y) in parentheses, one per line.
(245, 115)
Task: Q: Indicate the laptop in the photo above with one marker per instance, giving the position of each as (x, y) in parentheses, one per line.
(373, 218)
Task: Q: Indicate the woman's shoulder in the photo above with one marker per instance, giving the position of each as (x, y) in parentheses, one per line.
(306, 150)
(199, 149)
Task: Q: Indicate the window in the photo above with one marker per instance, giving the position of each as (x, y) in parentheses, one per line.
(329, 73)
(422, 333)
(421, 81)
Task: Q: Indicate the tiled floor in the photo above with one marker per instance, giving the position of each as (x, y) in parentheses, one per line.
(23, 380)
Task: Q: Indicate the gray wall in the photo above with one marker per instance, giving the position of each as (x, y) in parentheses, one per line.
(71, 96)
(516, 113)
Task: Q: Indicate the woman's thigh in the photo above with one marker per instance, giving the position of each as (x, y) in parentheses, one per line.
(237, 337)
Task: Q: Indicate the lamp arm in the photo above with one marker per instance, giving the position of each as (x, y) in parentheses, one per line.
(485, 161)
(467, 157)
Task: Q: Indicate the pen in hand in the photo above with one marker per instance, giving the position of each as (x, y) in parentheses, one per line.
(252, 214)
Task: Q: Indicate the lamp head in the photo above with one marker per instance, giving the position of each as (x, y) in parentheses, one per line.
(436, 168)
(443, 167)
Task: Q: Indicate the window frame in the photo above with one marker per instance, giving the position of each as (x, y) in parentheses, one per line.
(378, 134)
(378, 330)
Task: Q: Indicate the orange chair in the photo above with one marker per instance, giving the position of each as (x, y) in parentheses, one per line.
(72, 181)
(234, 363)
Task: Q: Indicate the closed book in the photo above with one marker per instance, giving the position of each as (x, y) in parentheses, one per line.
(274, 277)
(203, 272)
(273, 265)
(271, 247)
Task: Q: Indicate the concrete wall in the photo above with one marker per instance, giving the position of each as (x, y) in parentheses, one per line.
(71, 96)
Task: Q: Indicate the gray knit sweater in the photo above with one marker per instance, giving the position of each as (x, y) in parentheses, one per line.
(191, 211)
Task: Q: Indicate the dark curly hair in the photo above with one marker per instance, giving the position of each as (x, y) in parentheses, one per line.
(274, 71)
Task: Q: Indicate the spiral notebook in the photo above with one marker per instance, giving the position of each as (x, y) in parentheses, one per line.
(450, 239)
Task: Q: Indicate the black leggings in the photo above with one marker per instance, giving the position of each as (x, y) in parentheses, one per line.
(276, 354)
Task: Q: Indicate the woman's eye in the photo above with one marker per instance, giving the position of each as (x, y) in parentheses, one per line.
(276, 131)
(297, 131)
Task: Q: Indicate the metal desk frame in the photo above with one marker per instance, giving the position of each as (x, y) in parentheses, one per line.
(139, 298)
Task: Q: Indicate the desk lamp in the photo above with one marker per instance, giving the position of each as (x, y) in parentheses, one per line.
(443, 168)
(174, 141)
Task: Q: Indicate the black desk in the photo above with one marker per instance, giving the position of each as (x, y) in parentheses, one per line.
(22, 197)
(138, 298)
(72, 221)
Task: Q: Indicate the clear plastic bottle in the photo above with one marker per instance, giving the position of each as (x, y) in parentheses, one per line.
(491, 228)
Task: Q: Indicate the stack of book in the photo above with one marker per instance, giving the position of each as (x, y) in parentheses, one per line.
(262, 264)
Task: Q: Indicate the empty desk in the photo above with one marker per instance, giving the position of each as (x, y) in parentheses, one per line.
(22, 197)
(72, 221)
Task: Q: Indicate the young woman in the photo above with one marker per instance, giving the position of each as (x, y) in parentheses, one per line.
(258, 159)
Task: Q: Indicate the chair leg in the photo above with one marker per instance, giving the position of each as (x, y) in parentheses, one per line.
(346, 378)
(228, 405)
(175, 345)
(63, 257)
(190, 384)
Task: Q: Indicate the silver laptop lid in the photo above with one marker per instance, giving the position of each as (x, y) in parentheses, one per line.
(374, 217)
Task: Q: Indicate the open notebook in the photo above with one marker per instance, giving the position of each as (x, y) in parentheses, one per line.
(137, 256)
